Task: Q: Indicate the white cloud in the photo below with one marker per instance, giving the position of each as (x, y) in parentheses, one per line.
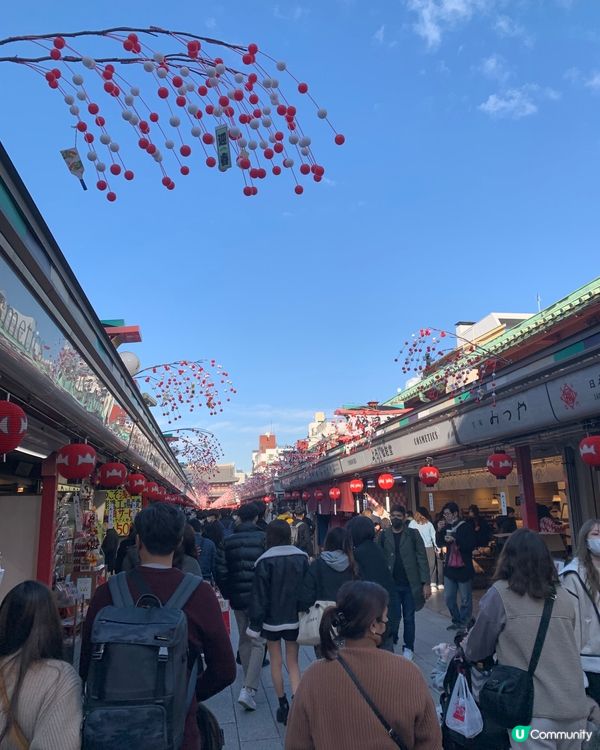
(295, 13)
(517, 103)
(506, 26)
(435, 16)
(593, 82)
(211, 23)
(379, 35)
(495, 68)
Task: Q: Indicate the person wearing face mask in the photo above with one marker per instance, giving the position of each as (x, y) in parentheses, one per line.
(406, 558)
(581, 578)
(329, 710)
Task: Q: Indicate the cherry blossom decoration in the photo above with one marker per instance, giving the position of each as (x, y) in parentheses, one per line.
(183, 103)
(197, 450)
(185, 386)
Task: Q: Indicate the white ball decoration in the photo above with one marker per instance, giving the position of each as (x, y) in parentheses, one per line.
(252, 145)
(267, 83)
(281, 66)
(159, 57)
(266, 121)
(255, 123)
(220, 69)
(322, 114)
(77, 79)
(288, 163)
(105, 139)
(169, 144)
(101, 166)
(242, 143)
(82, 96)
(135, 121)
(196, 131)
(174, 121)
(184, 72)
(114, 147)
(263, 145)
(305, 141)
(272, 138)
(162, 72)
(181, 90)
(193, 109)
(92, 155)
(129, 100)
(235, 133)
(294, 139)
(266, 110)
(127, 114)
(69, 99)
(218, 112)
(88, 62)
(214, 82)
(238, 78)
(305, 151)
(74, 110)
(134, 91)
(148, 66)
(189, 86)
(274, 83)
(274, 99)
(131, 362)
(157, 156)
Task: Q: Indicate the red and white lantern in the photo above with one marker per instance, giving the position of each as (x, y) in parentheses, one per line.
(319, 496)
(589, 450)
(266, 499)
(161, 493)
(429, 475)
(306, 495)
(295, 495)
(13, 426)
(386, 482)
(76, 461)
(112, 475)
(356, 486)
(135, 484)
(500, 465)
(334, 494)
(152, 492)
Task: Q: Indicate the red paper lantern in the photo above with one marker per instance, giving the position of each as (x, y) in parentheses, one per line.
(152, 491)
(295, 495)
(136, 484)
(429, 475)
(589, 450)
(356, 486)
(385, 481)
(76, 461)
(161, 493)
(500, 465)
(112, 475)
(13, 426)
(306, 496)
(334, 494)
(319, 495)
(267, 499)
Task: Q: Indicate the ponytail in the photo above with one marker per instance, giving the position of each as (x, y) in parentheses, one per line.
(329, 621)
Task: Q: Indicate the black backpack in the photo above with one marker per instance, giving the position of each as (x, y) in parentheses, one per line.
(137, 693)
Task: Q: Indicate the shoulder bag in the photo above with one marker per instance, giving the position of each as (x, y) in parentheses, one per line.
(310, 622)
(16, 733)
(507, 695)
(391, 732)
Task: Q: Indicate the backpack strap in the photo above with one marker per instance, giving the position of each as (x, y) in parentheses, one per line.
(183, 592)
(119, 591)
(541, 634)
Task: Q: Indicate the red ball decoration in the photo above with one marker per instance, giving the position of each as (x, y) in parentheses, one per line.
(357, 486)
(185, 150)
(589, 450)
(59, 42)
(112, 197)
(161, 493)
(112, 475)
(55, 54)
(163, 92)
(334, 494)
(429, 475)
(128, 174)
(306, 496)
(303, 88)
(267, 499)
(76, 461)
(13, 426)
(136, 484)
(385, 481)
(340, 139)
(211, 162)
(298, 189)
(500, 465)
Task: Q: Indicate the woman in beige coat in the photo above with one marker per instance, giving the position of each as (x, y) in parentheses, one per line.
(40, 695)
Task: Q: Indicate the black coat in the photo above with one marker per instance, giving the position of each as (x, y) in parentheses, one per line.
(301, 537)
(466, 540)
(274, 602)
(373, 566)
(235, 566)
(321, 583)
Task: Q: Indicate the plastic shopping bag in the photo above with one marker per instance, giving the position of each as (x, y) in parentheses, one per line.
(463, 715)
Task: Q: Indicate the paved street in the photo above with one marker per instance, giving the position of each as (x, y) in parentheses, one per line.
(259, 730)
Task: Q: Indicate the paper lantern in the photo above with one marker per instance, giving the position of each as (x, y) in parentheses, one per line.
(13, 426)
(306, 496)
(267, 499)
(135, 484)
(589, 450)
(385, 481)
(76, 461)
(161, 493)
(319, 495)
(295, 495)
(112, 475)
(429, 475)
(152, 491)
(356, 486)
(500, 465)
(335, 493)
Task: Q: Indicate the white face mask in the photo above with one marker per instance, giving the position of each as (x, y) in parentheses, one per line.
(594, 546)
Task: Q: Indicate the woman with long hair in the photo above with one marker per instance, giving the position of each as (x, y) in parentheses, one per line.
(273, 610)
(329, 710)
(185, 558)
(40, 694)
(507, 625)
(422, 523)
(581, 578)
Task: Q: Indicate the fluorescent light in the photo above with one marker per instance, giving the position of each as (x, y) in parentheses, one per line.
(31, 453)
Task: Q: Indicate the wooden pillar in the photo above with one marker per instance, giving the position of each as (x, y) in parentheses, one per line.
(45, 558)
(527, 491)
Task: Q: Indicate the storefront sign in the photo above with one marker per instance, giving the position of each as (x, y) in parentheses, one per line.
(78, 514)
(110, 517)
(431, 503)
(124, 508)
(576, 395)
(503, 502)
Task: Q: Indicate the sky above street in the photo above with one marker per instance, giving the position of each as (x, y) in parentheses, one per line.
(469, 183)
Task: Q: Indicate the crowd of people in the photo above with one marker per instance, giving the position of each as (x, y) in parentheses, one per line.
(372, 576)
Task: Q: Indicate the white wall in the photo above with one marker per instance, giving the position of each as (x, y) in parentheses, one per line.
(19, 532)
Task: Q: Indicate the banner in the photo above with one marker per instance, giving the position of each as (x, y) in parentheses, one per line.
(122, 509)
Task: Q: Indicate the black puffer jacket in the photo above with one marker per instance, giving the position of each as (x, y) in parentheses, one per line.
(322, 583)
(279, 575)
(235, 566)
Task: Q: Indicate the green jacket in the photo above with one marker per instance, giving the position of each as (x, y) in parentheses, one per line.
(414, 559)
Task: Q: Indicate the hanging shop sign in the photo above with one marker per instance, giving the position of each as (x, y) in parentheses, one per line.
(122, 508)
(576, 395)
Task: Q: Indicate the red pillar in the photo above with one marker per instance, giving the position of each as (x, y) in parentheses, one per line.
(45, 558)
(528, 504)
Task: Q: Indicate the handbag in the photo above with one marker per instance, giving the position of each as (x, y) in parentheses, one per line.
(211, 734)
(392, 734)
(16, 733)
(507, 695)
(310, 623)
(463, 715)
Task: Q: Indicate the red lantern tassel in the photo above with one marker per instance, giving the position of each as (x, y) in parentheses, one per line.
(335, 509)
(387, 503)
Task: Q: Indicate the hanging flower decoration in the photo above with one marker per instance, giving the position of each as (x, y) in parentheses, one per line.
(197, 450)
(183, 103)
(185, 386)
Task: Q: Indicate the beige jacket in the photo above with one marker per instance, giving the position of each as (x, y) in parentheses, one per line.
(587, 615)
(49, 711)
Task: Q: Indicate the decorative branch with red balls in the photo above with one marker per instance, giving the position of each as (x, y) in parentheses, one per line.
(183, 107)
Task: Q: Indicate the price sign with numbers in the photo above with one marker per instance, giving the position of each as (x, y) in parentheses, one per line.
(123, 508)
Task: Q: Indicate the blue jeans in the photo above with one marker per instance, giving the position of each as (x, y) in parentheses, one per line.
(451, 590)
(404, 605)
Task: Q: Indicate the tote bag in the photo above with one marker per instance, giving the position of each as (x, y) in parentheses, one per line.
(310, 622)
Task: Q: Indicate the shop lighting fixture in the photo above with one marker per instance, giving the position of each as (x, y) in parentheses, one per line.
(31, 453)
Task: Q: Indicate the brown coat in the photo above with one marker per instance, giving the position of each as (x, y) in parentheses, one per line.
(328, 712)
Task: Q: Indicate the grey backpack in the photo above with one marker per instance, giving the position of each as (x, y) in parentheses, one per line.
(137, 692)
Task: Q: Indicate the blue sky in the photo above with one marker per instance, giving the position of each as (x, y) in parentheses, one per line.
(469, 183)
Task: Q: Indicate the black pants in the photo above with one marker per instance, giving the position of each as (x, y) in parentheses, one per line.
(593, 689)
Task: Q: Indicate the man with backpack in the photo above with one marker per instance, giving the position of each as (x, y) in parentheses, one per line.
(301, 533)
(142, 646)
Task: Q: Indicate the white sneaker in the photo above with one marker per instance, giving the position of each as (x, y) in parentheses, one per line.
(246, 699)
(440, 586)
(434, 587)
(408, 654)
